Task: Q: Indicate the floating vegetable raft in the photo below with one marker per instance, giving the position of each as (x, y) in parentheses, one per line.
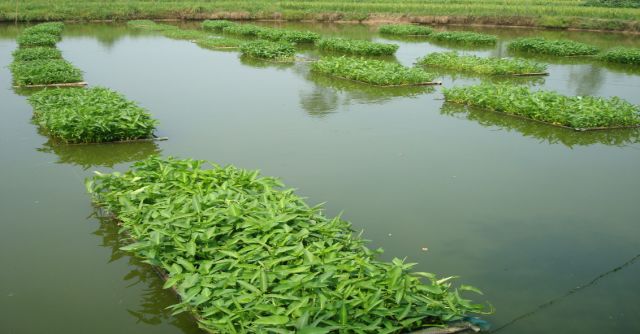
(556, 47)
(405, 30)
(247, 256)
(580, 113)
(480, 65)
(373, 72)
(464, 38)
(356, 47)
(272, 51)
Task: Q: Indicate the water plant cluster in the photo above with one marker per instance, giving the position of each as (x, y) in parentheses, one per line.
(555, 47)
(274, 51)
(37, 61)
(373, 72)
(577, 112)
(249, 256)
(94, 115)
(266, 33)
(464, 37)
(356, 47)
(202, 38)
(621, 55)
(490, 66)
(405, 30)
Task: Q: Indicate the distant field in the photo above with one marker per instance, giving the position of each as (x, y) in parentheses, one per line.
(540, 13)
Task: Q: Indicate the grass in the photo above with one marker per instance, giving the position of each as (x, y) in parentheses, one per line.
(374, 72)
(94, 115)
(577, 112)
(475, 64)
(621, 55)
(249, 256)
(613, 3)
(36, 53)
(464, 37)
(555, 47)
(356, 47)
(405, 30)
(44, 72)
(274, 51)
(219, 43)
(41, 39)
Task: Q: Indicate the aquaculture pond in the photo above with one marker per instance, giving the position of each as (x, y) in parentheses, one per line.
(544, 220)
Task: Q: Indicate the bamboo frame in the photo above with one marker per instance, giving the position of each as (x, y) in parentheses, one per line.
(65, 84)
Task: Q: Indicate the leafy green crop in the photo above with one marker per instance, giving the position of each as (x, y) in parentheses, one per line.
(464, 37)
(271, 34)
(556, 47)
(578, 112)
(51, 28)
(37, 39)
(491, 66)
(356, 47)
(219, 43)
(44, 72)
(374, 72)
(242, 30)
(188, 34)
(36, 53)
(94, 115)
(276, 51)
(622, 55)
(247, 256)
(405, 30)
(216, 25)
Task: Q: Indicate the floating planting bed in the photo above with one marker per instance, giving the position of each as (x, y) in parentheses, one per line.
(47, 72)
(273, 51)
(575, 112)
(36, 53)
(37, 39)
(556, 47)
(356, 47)
(93, 115)
(267, 33)
(219, 43)
(490, 66)
(464, 37)
(405, 30)
(622, 56)
(188, 34)
(373, 72)
(51, 28)
(247, 256)
(248, 30)
(216, 25)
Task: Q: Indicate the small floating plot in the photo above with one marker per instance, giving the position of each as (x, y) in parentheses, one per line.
(94, 115)
(356, 47)
(293, 36)
(51, 28)
(216, 25)
(36, 53)
(622, 56)
(37, 39)
(556, 47)
(475, 64)
(405, 30)
(249, 30)
(219, 43)
(44, 72)
(373, 72)
(273, 51)
(188, 34)
(464, 37)
(576, 112)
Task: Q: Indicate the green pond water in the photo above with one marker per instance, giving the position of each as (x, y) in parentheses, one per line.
(524, 211)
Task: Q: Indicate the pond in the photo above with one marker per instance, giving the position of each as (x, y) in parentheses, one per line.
(538, 217)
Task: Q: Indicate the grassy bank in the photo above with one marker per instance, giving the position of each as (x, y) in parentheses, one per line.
(549, 13)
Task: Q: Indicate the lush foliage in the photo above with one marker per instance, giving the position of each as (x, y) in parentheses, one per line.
(219, 43)
(216, 25)
(578, 112)
(188, 34)
(356, 47)
(267, 33)
(622, 55)
(248, 30)
(470, 63)
(247, 256)
(78, 115)
(277, 51)
(51, 28)
(44, 72)
(37, 39)
(375, 72)
(464, 37)
(556, 47)
(405, 30)
(36, 53)
(613, 3)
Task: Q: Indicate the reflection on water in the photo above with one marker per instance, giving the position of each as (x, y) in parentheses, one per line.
(261, 63)
(103, 155)
(545, 133)
(586, 80)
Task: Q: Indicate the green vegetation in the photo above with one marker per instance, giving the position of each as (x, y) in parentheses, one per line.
(36, 53)
(622, 55)
(51, 28)
(613, 3)
(219, 43)
(187, 34)
(271, 34)
(356, 47)
(464, 37)
(556, 47)
(44, 72)
(405, 30)
(579, 112)
(95, 115)
(216, 25)
(274, 51)
(248, 30)
(247, 256)
(373, 72)
(37, 39)
(490, 66)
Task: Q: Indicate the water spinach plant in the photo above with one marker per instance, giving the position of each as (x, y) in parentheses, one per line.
(621, 55)
(94, 115)
(373, 72)
(266, 33)
(577, 112)
(273, 51)
(464, 37)
(37, 39)
(356, 47)
(249, 256)
(555, 47)
(480, 65)
(44, 72)
(219, 43)
(405, 30)
(36, 53)
(216, 25)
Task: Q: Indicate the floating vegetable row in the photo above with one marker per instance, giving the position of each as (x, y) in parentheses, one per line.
(481, 65)
(247, 256)
(37, 61)
(458, 37)
(564, 47)
(200, 37)
(577, 112)
(267, 33)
